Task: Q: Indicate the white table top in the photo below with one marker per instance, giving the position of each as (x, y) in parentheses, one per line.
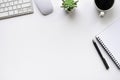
(57, 46)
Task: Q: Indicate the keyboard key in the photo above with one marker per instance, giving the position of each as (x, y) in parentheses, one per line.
(25, 1)
(10, 8)
(10, 12)
(14, 7)
(16, 12)
(25, 9)
(29, 9)
(20, 1)
(11, 3)
(18, 6)
(1, 10)
(15, 2)
(26, 5)
(6, 9)
(4, 0)
(7, 4)
(2, 5)
(9, 0)
(4, 14)
(1, 1)
(20, 11)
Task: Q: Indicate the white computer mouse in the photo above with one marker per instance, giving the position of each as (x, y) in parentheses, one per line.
(44, 6)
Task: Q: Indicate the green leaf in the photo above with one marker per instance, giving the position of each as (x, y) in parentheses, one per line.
(69, 4)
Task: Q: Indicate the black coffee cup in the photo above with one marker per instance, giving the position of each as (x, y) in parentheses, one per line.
(103, 5)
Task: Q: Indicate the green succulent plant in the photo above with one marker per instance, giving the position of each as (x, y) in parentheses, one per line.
(69, 5)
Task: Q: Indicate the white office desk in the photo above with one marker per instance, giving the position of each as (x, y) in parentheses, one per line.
(56, 47)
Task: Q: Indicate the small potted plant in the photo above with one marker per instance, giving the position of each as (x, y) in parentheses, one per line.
(69, 5)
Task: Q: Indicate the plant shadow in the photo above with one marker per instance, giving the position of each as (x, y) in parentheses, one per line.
(72, 14)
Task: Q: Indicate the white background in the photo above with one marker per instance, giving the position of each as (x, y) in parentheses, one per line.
(57, 46)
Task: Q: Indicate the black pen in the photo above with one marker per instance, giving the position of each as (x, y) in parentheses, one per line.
(102, 58)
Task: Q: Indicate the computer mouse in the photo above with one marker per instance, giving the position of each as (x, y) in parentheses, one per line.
(44, 6)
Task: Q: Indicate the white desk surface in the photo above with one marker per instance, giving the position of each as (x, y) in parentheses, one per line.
(57, 46)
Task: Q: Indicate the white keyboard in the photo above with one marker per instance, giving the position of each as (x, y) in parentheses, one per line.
(12, 8)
